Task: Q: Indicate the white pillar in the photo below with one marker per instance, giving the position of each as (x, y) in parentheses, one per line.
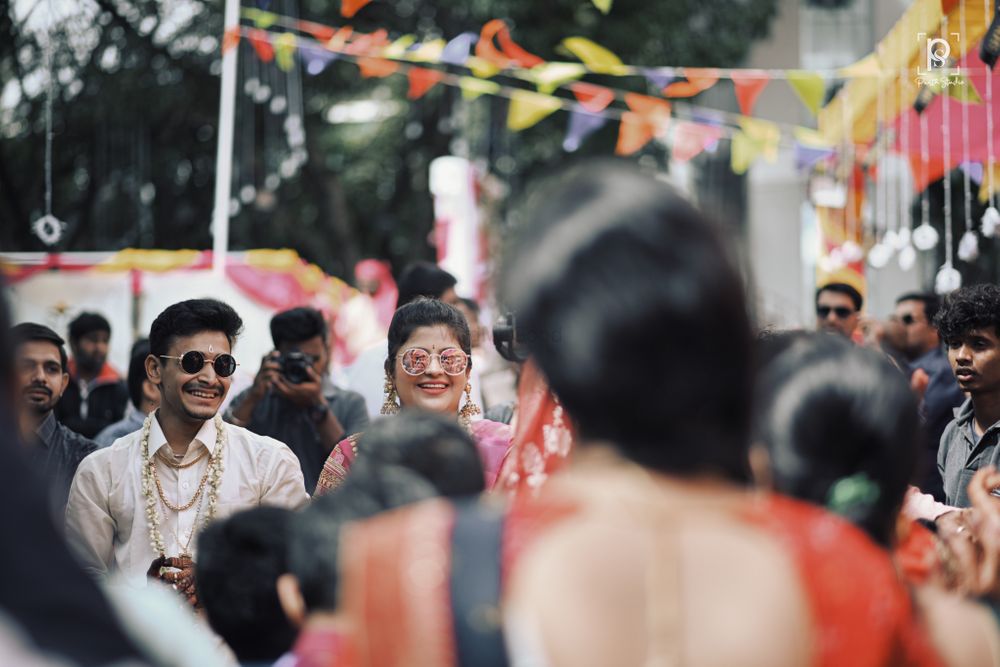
(224, 153)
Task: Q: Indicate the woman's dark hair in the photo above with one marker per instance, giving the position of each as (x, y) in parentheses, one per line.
(634, 310)
(841, 426)
(190, 317)
(425, 313)
(434, 446)
(968, 308)
(297, 325)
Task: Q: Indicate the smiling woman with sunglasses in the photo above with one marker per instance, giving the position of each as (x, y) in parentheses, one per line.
(427, 368)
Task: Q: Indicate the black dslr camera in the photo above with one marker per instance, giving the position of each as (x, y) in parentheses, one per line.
(507, 341)
(294, 366)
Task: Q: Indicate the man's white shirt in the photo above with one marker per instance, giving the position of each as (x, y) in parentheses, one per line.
(106, 520)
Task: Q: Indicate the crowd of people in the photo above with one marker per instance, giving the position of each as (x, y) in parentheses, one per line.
(673, 485)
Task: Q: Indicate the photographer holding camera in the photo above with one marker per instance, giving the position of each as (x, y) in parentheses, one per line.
(292, 398)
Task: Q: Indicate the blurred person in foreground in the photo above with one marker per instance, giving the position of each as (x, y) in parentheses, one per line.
(96, 395)
(427, 367)
(838, 309)
(143, 395)
(414, 456)
(135, 507)
(293, 399)
(930, 377)
(650, 547)
(969, 325)
(841, 431)
(41, 374)
(240, 560)
(44, 594)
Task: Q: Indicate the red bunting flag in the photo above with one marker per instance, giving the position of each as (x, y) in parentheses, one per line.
(690, 139)
(509, 53)
(230, 39)
(749, 84)
(320, 32)
(261, 44)
(647, 119)
(698, 79)
(349, 8)
(422, 80)
(376, 67)
(591, 97)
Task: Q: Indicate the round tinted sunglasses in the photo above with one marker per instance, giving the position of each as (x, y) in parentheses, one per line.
(192, 362)
(841, 312)
(415, 360)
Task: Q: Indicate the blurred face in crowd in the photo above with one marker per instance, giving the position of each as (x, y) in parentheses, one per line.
(836, 312)
(433, 390)
(40, 377)
(975, 360)
(91, 351)
(920, 336)
(191, 396)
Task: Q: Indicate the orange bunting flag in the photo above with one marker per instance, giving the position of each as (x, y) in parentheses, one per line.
(649, 117)
(368, 45)
(320, 32)
(230, 39)
(377, 68)
(749, 84)
(591, 97)
(261, 44)
(698, 79)
(509, 53)
(422, 80)
(690, 139)
(338, 41)
(349, 8)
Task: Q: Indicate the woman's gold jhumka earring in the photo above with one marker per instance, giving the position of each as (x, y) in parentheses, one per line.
(469, 410)
(391, 404)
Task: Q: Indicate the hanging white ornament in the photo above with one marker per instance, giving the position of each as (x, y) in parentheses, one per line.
(990, 221)
(925, 237)
(879, 255)
(851, 252)
(968, 247)
(948, 280)
(891, 239)
(907, 258)
(48, 229)
(248, 193)
(903, 238)
(837, 260)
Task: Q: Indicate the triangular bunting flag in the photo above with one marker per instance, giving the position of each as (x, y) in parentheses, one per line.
(377, 68)
(961, 89)
(743, 151)
(320, 32)
(582, 124)
(428, 52)
(809, 87)
(422, 80)
(284, 50)
(513, 51)
(527, 108)
(509, 54)
(399, 47)
(261, 19)
(690, 139)
(603, 5)
(339, 40)
(368, 45)
(649, 117)
(991, 183)
(749, 84)
(473, 88)
(456, 52)
(550, 76)
(349, 8)
(592, 97)
(484, 69)
(261, 44)
(698, 79)
(597, 58)
(659, 77)
(757, 137)
(230, 39)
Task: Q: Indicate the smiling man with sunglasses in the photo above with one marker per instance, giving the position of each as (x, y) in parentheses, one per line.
(838, 308)
(135, 507)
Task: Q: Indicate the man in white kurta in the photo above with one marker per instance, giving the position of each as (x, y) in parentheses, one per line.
(113, 523)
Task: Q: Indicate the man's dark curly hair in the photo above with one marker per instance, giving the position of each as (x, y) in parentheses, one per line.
(968, 308)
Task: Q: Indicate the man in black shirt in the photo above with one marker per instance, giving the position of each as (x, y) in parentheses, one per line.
(292, 398)
(96, 395)
(40, 371)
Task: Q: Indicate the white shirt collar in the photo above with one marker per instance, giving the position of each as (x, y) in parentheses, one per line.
(206, 435)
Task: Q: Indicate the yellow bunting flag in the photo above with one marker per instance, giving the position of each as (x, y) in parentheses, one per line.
(428, 52)
(867, 67)
(473, 88)
(284, 50)
(527, 108)
(756, 138)
(398, 48)
(484, 69)
(603, 5)
(961, 89)
(597, 58)
(991, 182)
(809, 87)
(811, 138)
(260, 18)
(550, 76)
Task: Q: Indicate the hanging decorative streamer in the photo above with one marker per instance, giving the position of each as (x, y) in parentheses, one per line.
(809, 87)
(880, 253)
(968, 245)
(647, 118)
(48, 228)
(749, 85)
(948, 278)
(597, 58)
(988, 54)
(582, 124)
(925, 237)
(527, 108)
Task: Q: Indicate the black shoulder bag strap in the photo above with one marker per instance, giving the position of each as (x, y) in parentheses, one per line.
(475, 585)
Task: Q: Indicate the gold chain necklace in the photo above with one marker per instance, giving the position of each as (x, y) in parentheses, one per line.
(185, 506)
(180, 466)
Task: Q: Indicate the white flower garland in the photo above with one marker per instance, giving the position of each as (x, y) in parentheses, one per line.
(215, 468)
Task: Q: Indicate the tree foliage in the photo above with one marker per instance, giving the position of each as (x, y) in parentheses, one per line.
(136, 110)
